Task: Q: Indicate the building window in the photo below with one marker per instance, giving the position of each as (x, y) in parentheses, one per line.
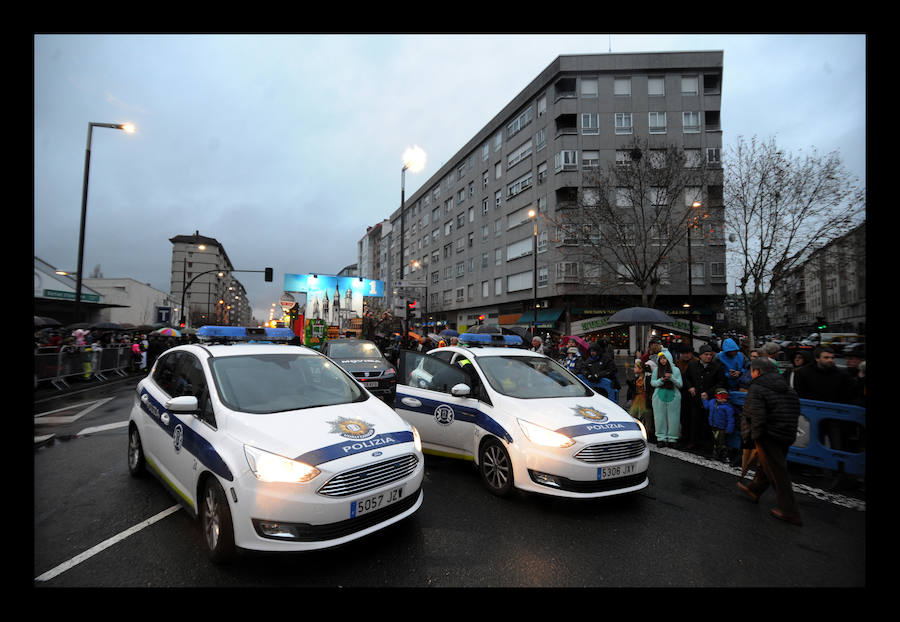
(519, 154)
(567, 271)
(590, 159)
(542, 276)
(590, 123)
(690, 122)
(623, 123)
(519, 281)
(519, 123)
(690, 85)
(542, 241)
(540, 139)
(589, 87)
(692, 158)
(485, 289)
(498, 199)
(498, 286)
(713, 156)
(566, 160)
(522, 183)
(656, 86)
(622, 87)
(698, 274)
(519, 249)
(657, 122)
(542, 106)
(623, 157)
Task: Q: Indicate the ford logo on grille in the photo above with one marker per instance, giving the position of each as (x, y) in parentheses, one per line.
(376, 453)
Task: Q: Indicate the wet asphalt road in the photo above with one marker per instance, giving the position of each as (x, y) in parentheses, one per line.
(689, 528)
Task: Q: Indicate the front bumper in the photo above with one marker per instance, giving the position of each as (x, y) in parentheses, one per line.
(557, 472)
(295, 517)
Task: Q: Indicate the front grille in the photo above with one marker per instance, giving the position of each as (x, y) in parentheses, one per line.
(612, 452)
(369, 477)
(366, 374)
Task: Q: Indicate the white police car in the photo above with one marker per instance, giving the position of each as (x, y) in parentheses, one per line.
(525, 421)
(272, 446)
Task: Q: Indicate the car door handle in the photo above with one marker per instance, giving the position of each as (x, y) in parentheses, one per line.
(411, 402)
(164, 418)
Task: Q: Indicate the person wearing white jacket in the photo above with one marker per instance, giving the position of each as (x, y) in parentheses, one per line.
(666, 381)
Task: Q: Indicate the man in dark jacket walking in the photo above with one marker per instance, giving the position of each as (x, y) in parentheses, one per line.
(771, 412)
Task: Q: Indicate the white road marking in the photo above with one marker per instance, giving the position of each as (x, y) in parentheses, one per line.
(847, 502)
(43, 419)
(103, 428)
(105, 544)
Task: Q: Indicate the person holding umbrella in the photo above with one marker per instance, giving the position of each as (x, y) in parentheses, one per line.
(770, 417)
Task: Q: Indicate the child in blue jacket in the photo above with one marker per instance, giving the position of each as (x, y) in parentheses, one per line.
(721, 421)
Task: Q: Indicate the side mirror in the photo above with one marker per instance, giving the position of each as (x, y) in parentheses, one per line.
(460, 390)
(183, 404)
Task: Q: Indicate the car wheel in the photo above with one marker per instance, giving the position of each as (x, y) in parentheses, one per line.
(495, 467)
(215, 519)
(136, 464)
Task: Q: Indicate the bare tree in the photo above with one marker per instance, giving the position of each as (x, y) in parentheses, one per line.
(778, 208)
(629, 217)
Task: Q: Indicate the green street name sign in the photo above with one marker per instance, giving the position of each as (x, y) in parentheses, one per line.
(55, 293)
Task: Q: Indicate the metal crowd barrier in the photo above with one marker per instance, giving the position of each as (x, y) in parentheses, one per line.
(810, 446)
(87, 362)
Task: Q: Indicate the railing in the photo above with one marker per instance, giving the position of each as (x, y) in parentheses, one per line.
(815, 426)
(87, 362)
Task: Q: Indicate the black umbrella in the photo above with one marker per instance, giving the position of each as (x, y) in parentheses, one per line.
(45, 321)
(486, 329)
(640, 315)
(106, 326)
(77, 325)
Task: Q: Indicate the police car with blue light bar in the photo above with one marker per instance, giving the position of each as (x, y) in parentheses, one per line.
(525, 421)
(272, 446)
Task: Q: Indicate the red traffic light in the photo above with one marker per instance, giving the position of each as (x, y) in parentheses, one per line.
(411, 304)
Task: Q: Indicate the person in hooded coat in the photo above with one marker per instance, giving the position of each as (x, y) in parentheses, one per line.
(666, 400)
(734, 362)
(770, 418)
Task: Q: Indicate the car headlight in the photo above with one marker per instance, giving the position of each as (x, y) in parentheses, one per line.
(417, 440)
(269, 467)
(540, 435)
(643, 429)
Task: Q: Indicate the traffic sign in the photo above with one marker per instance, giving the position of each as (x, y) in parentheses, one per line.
(411, 283)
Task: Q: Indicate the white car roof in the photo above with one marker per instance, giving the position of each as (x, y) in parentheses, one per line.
(488, 351)
(247, 349)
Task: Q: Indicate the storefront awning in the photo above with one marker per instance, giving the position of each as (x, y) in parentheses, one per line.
(545, 317)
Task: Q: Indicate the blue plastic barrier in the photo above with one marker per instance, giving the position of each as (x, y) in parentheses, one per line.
(605, 385)
(808, 449)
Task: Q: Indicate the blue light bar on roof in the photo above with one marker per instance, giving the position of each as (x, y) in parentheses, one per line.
(489, 339)
(243, 333)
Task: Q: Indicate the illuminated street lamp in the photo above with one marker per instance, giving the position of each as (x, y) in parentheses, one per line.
(128, 127)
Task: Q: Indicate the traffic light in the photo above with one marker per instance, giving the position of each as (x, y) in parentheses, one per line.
(481, 318)
(410, 308)
(821, 324)
(268, 275)
(181, 324)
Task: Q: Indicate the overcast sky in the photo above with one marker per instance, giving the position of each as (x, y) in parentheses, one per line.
(286, 147)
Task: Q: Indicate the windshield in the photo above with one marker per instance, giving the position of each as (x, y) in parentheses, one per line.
(268, 383)
(530, 377)
(353, 350)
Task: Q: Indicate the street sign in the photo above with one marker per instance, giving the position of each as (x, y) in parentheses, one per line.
(164, 314)
(411, 283)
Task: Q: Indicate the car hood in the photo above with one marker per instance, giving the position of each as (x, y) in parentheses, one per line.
(360, 364)
(574, 416)
(319, 435)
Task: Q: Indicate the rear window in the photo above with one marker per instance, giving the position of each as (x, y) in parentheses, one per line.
(269, 383)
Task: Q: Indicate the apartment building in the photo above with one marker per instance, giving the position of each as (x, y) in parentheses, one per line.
(467, 229)
(197, 261)
(828, 287)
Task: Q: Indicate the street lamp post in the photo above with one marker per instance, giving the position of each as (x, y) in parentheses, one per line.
(691, 223)
(128, 127)
(533, 215)
(414, 160)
